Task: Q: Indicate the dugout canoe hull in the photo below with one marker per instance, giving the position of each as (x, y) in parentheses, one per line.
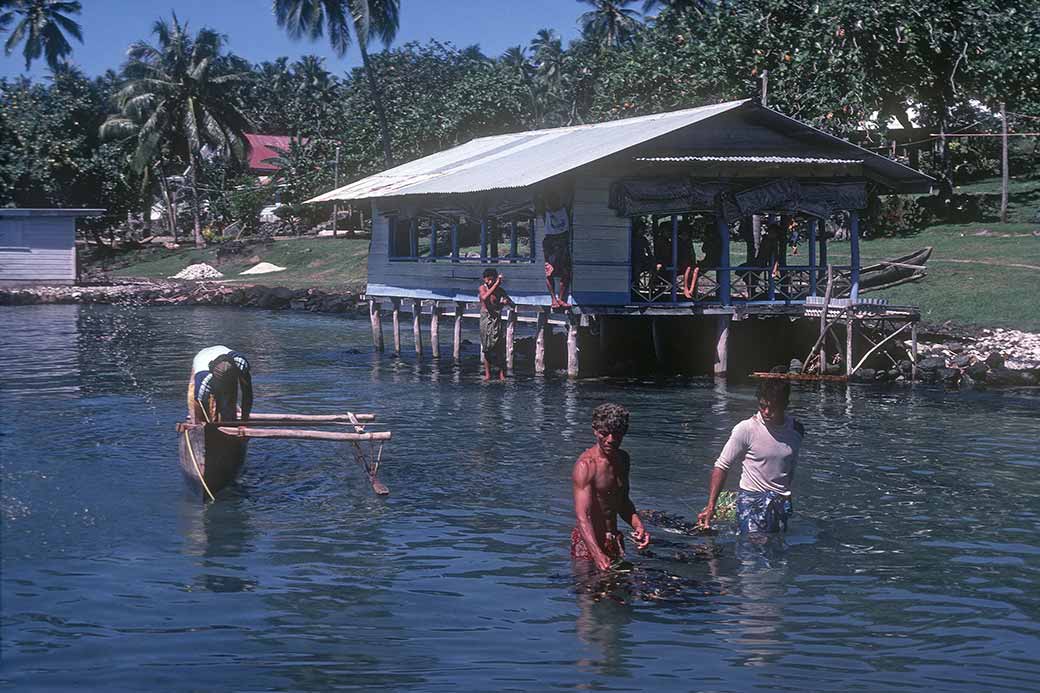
(218, 457)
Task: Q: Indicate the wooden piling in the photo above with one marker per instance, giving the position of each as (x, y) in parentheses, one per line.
(572, 345)
(722, 323)
(539, 341)
(657, 339)
(396, 313)
(850, 325)
(456, 348)
(417, 326)
(913, 352)
(435, 326)
(377, 324)
(510, 336)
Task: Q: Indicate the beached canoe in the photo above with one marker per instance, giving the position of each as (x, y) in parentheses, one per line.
(210, 458)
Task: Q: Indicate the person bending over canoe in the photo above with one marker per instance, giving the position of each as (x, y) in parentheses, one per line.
(767, 447)
(601, 493)
(216, 374)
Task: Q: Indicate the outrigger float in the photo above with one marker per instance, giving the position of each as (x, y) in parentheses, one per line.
(213, 454)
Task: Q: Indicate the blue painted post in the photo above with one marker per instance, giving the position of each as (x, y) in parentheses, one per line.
(771, 281)
(675, 255)
(455, 242)
(413, 238)
(530, 228)
(823, 249)
(512, 240)
(854, 251)
(433, 240)
(483, 240)
(722, 275)
(631, 259)
(812, 256)
(391, 227)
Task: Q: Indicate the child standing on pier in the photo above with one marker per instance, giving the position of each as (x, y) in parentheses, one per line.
(492, 298)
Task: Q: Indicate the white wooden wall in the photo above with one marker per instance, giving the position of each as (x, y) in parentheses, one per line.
(601, 255)
(40, 250)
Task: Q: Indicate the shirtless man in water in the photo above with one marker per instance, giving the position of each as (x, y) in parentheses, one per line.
(601, 493)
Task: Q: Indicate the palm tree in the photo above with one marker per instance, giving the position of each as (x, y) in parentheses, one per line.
(547, 51)
(677, 5)
(42, 27)
(178, 99)
(6, 13)
(367, 19)
(610, 23)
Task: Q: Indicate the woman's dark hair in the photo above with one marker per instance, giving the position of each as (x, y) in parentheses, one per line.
(610, 418)
(775, 391)
(490, 272)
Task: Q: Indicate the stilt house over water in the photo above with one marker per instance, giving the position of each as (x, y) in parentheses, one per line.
(646, 198)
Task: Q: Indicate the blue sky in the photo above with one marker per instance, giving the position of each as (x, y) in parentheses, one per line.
(109, 26)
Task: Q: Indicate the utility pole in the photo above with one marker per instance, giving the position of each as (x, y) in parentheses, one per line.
(1003, 165)
(335, 205)
(765, 87)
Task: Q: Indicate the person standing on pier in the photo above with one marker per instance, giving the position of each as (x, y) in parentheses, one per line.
(556, 249)
(217, 372)
(601, 493)
(767, 446)
(492, 298)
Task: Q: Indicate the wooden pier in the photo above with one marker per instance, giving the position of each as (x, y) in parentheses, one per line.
(872, 321)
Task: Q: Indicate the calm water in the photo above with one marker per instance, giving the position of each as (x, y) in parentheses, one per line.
(913, 560)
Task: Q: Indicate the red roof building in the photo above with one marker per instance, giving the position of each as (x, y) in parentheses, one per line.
(262, 147)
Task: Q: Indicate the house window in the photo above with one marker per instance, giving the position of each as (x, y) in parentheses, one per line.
(463, 239)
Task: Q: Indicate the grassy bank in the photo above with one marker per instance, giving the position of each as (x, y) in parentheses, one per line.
(327, 263)
(986, 281)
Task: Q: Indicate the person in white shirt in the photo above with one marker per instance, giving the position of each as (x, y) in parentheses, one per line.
(556, 249)
(766, 445)
(217, 372)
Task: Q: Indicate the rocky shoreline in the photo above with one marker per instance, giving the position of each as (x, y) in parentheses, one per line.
(164, 293)
(952, 356)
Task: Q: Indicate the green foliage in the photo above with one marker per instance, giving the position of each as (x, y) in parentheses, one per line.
(40, 26)
(241, 200)
(50, 154)
(726, 506)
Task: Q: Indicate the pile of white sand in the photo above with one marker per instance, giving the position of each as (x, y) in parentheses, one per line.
(263, 268)
(198, 271)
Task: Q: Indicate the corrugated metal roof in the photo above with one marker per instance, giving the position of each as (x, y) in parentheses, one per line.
(749, 159)
(521, 159)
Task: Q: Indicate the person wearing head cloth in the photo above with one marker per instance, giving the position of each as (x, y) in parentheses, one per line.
(217, 372)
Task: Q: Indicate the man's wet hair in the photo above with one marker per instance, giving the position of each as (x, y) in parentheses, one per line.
(775, 391)
(490, 272)
(610, 418)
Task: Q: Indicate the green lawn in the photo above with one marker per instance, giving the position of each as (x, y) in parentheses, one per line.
(330, 263)
(972, 280)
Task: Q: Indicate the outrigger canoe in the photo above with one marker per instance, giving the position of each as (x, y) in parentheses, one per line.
(213, 454)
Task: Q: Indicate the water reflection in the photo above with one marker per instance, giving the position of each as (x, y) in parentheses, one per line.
(912, 562)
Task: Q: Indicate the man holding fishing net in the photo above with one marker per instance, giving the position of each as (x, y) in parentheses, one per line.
(217, 372)
(601, 493)
(766, 445)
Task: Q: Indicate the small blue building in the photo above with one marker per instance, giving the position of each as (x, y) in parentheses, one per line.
(38, 246)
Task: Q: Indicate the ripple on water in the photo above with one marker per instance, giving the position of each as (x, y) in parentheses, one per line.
(912, 559)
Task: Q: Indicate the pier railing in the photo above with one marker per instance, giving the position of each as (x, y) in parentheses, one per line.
(789, 284)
